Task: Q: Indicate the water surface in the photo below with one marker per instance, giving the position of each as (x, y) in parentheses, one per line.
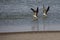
(16, 16)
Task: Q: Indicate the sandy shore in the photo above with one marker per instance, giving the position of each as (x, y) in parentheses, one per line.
(30, 36)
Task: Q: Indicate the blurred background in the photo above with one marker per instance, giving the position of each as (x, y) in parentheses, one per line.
(16, 16)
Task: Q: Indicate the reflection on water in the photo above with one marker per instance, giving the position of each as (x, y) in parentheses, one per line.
(16, 16)
(35, 26)
(44, 18)
(28, 24)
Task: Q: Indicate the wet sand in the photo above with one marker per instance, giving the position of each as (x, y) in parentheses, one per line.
(31, 36)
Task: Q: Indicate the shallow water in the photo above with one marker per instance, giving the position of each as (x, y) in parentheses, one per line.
(16, 16)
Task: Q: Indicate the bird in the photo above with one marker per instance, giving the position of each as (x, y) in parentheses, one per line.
(45, 10)
(35, 13)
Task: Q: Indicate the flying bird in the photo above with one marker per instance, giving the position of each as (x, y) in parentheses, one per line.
(35, 13)
(45, 11)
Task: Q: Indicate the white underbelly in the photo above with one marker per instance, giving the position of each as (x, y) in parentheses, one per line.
(44, 14)
(34, 16)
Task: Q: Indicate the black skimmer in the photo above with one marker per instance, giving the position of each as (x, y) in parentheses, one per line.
(45, 10)
(35, 15)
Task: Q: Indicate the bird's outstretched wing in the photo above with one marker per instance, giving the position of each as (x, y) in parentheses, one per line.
(48, 9)
(32, 9)
(37, 10)
(44, 8)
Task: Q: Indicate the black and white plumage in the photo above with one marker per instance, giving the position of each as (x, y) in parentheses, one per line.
(45, 10)
(35, 15)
